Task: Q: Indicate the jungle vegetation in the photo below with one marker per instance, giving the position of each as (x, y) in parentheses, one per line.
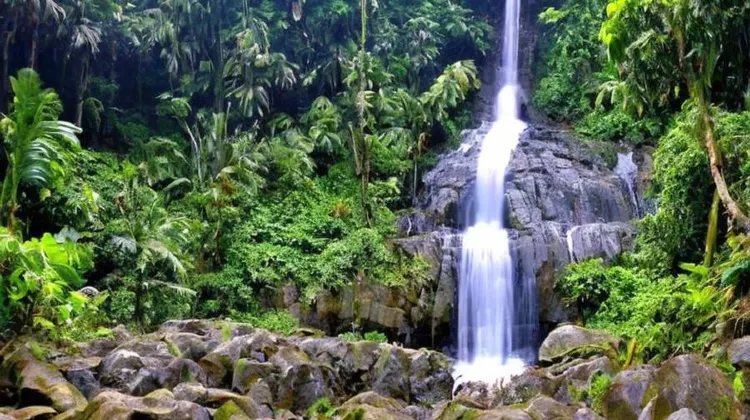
(201, 153)
(672, 76)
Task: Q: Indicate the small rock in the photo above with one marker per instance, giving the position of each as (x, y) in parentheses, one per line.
(33, 413)
(586, 414)
(684, 414)
(230, 411)
(739, 352)
(544, 407)
(89, 291)
(84, 380)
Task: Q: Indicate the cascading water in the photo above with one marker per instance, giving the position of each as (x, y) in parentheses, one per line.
(486, 307)
(627, 170)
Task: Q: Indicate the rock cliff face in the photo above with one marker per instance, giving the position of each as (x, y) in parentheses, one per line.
(563, 203)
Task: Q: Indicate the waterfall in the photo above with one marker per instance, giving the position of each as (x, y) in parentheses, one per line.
(490, 328)
(627, 170)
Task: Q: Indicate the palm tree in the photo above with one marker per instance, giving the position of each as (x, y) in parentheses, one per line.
(83, 38)
(149, 236)
(36, 142)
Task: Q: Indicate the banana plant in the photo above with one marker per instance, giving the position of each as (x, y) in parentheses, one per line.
(37, 278)
(38, 146)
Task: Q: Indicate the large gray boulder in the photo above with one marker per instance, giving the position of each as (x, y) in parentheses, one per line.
(624, 398)
(570, 340)
(39, 383)
(688, 381)
(738, 352)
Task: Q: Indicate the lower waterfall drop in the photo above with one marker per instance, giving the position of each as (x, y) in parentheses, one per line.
(490, 330)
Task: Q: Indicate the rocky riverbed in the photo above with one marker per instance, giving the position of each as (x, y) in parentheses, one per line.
(198, 369)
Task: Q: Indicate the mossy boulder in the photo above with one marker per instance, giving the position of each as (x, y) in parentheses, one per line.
(189, 345)
(248, 372)
(40, 383)
(116, 406)
(302, 384)
(579, 376)
(391, 373)
(215, 398)
(622, 401)
(430, 377)
(504, 413)
(230, 411)
(373, 406)
(455, 410)
(687, 381)
(35, 412)
(570, 340)
(119, 368)
(543, 407)
(524, 387)
(219, 363)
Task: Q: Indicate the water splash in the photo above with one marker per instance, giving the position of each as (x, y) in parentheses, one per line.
(627, 170)
(487, 315)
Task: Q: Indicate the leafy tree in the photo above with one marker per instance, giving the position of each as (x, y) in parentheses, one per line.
(149, 237)
(37, 144)
(665, 46)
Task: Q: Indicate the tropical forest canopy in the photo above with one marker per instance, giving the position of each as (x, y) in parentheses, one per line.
(186, 156)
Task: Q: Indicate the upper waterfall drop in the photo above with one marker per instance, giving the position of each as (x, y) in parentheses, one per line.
(491, 322)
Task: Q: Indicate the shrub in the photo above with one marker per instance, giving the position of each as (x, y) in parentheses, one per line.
(281, 322)
(600, 384)
(375, 336)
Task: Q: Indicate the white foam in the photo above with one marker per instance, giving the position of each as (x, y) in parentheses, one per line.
(490, 370)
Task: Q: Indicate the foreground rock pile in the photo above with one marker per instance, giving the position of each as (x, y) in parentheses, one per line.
(198, 369)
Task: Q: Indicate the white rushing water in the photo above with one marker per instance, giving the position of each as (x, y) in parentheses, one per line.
(486, 310)
(627, 170)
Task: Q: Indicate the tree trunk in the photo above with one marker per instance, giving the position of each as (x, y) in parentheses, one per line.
(218, 59)
(711, 233)
(138, 310)
(4, 71)
(33, 47)
(139, 82)
(80, 89)
(738, 218)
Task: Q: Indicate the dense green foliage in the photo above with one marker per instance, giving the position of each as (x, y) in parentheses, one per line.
(197, 155)
(666, 73)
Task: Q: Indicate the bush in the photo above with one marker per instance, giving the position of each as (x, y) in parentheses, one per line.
(665, 315)
(616, 125)
(600, 384)
(281, 322)
(676, 232)
(375, 336)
